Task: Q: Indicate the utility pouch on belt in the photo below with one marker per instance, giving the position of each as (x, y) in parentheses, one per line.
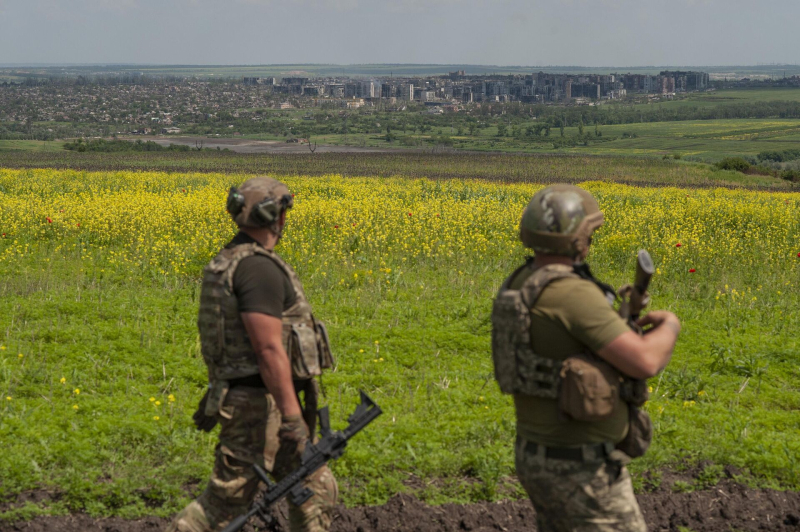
(640, 433)
(589, 388)
(217, 392)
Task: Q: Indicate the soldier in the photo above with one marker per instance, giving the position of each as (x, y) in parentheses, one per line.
(567, 357)
(262, 346)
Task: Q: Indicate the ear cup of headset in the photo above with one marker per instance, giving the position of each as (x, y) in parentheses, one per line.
(266, 213)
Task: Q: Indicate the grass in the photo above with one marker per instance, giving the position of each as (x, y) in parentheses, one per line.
(403, 272)
(31, 145)
(699, 140)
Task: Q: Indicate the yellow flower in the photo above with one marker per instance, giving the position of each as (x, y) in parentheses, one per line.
(650, 389)
(171, 398)
(74, 407)
(20, 355)
(152, 399)
(76, 391)
(701, 393)
(156, 418)
(381, 359)
(2, 348)
(158, 403)
(63, 380)
(360, 350)
(480, 398)
(8, 398)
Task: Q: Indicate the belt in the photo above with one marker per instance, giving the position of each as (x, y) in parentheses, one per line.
(584, 453)
(251, 381)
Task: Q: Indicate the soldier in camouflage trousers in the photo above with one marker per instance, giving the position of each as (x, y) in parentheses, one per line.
(263, 347)
(562, 351)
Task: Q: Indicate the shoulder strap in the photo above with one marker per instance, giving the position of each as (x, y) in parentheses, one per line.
(541, 277)
(583, 271)
(233, 256)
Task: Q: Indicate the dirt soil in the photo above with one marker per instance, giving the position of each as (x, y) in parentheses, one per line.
(242, 145)
(726, 507)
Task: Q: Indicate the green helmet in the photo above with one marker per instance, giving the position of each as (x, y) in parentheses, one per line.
(259, 202)
(560, 220)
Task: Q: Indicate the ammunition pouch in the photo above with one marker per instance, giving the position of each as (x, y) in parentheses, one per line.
(308, 347)
(589, 389)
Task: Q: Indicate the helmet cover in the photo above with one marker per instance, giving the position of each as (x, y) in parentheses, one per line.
(560, 220)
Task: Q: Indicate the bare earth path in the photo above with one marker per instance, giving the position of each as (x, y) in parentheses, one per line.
(242, 145)
(726, 507)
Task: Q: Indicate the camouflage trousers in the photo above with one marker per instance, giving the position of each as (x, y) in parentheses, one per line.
(250, 421)
(578, 496)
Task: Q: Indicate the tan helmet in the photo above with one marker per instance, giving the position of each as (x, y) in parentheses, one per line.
(560, 220)
(259, 202)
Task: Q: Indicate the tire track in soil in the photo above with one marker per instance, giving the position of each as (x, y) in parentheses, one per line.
(728, 506)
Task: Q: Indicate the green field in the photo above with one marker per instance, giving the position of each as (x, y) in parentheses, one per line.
(728, 97)
(99, 363)
(698, 140)
(30, 145)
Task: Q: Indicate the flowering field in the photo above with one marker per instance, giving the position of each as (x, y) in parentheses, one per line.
(99, 360)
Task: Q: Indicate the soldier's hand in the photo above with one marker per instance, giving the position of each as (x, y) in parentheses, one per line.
(659, 318)
(201, 420)
(293, 436)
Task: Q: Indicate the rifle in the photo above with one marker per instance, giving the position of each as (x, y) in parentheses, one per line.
(329, 447)
(634, 299)
(635, 296)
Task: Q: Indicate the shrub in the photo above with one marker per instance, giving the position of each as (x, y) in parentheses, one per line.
(733, 163)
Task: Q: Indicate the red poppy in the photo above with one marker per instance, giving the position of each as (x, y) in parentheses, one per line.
(692, 270)
(409, 214)
(354, 225)
(48, 220)
(4, 235)
(797, 254)
(183, 190)
(437, 215)
(678, 245)
(336, 227)
(78, 225)
(62, 210)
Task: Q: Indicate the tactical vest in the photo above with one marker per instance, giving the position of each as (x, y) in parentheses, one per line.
(225, 346)
(516, 367)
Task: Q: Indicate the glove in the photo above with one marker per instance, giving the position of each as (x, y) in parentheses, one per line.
(201, 420)
(292, 436)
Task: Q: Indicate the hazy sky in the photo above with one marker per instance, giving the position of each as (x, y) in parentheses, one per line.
(498, 32)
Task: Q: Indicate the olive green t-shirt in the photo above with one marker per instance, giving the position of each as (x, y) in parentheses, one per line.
(570, 316)
(260, 284)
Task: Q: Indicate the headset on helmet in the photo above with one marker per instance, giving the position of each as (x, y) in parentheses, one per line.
(259, 202)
